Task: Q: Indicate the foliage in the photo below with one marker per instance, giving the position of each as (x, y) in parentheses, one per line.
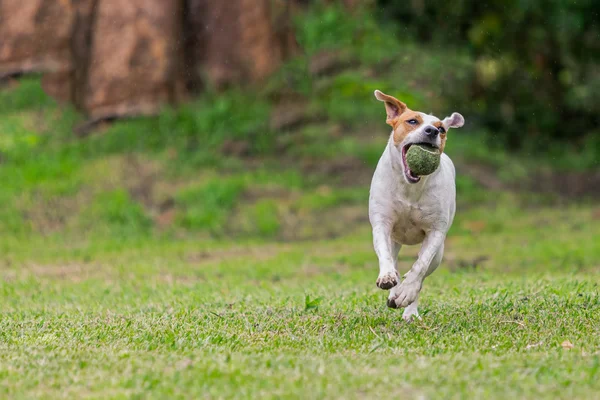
(29, 95)
(328, 27)
(116, 213)
(207, 206)
(535, 71)
(54, 182)
(196, 131)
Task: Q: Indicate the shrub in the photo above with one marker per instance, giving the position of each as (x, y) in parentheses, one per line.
(535, 72)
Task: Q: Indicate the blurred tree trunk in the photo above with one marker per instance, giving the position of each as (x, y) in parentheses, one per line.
(115, 58)
(81, 47)
(238, 40)
(33, 36)
(62, 85)
(131, 66)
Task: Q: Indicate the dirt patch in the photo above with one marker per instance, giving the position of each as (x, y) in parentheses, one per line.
(482, 174)
(569, 185)
(322, 224)
(255, 252)
(455, 264)
(344, 172)
(48, 214)
(80, 272)
(253, 194)
(312, 270)
(140, 177)
(179, 280)
(72, 272)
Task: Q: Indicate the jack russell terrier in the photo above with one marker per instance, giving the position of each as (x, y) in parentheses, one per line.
(409, 209)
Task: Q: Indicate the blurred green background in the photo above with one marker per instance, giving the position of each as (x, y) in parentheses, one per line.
(245, 161)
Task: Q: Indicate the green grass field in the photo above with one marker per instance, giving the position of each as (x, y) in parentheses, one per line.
(144, 261)
(190, 318)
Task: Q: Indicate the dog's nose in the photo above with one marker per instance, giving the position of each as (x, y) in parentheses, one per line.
(431, 131)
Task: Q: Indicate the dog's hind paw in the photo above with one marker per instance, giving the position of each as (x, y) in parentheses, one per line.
(411, 313)
(388, 280)
(404, 294)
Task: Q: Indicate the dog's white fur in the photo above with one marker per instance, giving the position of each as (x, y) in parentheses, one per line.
(401, 212)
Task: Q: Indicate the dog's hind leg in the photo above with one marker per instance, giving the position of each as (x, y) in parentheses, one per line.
(395, 251)
(412, 311)
(437, 260)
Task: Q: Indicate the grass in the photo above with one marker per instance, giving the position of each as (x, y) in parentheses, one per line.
(161, 317)
(99, 302)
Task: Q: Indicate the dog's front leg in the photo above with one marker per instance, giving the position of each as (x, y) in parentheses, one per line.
(408, 291)
(387, 252)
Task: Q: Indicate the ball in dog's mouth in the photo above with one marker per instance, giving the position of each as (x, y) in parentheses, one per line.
(419, 159)
(410, 176)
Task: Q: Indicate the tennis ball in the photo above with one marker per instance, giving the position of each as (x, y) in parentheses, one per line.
(422, 159)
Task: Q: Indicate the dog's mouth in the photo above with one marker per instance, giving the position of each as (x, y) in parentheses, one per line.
(411, 177)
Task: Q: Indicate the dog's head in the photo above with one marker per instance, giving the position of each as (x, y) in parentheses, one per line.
(412, 127)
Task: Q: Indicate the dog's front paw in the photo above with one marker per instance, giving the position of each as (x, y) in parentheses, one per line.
(404, 294)
(388, 280)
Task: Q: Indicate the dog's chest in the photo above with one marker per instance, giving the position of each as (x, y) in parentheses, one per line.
(409, 224)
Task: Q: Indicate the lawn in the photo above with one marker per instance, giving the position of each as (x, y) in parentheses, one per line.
(513, 312)
(137, 264)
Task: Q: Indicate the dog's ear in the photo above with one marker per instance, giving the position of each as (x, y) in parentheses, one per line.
(393, 107)
(454, 121)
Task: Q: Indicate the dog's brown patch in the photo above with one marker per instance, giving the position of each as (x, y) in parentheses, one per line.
(442, 135)
(401, 126)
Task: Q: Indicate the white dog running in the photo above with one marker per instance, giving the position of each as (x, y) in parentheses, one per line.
(409, 209)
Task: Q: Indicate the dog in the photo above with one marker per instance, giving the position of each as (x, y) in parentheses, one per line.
(406, 209)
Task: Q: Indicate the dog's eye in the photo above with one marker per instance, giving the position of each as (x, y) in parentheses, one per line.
(412, 121)
(441, 129)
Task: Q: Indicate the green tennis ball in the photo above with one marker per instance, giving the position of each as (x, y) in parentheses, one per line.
(422, 159)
